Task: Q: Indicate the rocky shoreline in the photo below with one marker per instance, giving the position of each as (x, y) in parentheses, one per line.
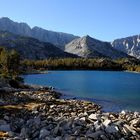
(37, 113)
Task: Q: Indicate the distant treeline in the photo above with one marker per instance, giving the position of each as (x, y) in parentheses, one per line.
(11, 66)
(81, 64)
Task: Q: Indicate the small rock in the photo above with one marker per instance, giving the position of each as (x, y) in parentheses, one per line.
(6, 118)
(58, 138)
(35, 134)
(3, 122)
(122, 139)
(52, 106)
(97, 126)
(106, 122)
(37, 121)
(93, 117)
(135, 122)
(123, 112)
(23, 133)
(103, 137)
(85, 113)
(70, 138)
(83, 118)
(43, 133)
(95, 135)
(11, 134)
(81, 138)
(56, 129)
(129, 128)
(112, 129)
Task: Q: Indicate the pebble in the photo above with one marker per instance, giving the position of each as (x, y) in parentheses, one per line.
(106, 122)
(112, 129)
(43, 133)
(93, 117)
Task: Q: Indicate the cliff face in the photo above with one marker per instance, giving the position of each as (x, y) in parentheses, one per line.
(30, 48)
(56, 38)
(90, 47)
(129, 45)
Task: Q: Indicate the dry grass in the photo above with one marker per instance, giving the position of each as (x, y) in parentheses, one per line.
(3, 134)
(28, 106)
(31, 106)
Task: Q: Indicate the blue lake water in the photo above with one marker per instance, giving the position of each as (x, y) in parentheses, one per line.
(115, 91)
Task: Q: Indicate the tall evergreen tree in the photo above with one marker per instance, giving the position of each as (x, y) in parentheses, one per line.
(9, 63)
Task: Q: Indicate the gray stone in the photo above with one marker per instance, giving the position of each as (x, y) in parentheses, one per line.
(103, 137)
(6, 118)
(93, 116)
(37, 121)
(135, 122)
(70, 138)
(130, 129)
(10, 134)
(56, 129)
(123, 112)
(106, 122)
(83, 118)
(112, 129)
(3, 122)
(24, 133)
(43, 133)
(58, 138)
(96, 134)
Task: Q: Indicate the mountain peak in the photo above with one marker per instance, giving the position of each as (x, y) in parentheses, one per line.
(86, 37)
(129, 45)
(90, 47)
(5, 18)
(56, 38)
(89, 39)
(30, 48)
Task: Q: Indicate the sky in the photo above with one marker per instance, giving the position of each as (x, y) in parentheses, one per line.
(102, 19)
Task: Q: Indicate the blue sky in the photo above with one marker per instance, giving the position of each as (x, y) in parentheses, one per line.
(102, 19)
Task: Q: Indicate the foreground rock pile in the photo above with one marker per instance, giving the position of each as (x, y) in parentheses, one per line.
(41, 115)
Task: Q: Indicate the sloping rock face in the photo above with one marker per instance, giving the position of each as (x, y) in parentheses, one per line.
(30, 48)
(90, 47)
(56, 38)
(129, 45)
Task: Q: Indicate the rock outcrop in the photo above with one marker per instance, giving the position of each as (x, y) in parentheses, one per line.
(56, 38)
(90, 47)
(30, 48)
(129, 45)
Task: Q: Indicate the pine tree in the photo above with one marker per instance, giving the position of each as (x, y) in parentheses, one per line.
(9, 63)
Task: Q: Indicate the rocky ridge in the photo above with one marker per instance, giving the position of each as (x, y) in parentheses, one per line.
(129, 45)
(30, 48)
(39, 114)
(56, 38)
(90, 47)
